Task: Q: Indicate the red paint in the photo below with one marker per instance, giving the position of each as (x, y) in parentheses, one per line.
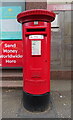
(36, 68)
(60, 7)
(9, 50)
(32, 15)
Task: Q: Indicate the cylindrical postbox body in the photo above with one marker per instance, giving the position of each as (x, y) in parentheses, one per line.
(36, 29)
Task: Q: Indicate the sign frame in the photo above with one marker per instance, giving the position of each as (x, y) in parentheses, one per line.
(13, 4)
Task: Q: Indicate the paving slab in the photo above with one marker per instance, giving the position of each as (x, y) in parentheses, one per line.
(12, 104)
(49, 113)
(11, 101)
(62, 103)
(59, 107)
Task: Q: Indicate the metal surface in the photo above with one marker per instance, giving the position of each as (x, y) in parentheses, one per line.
(34, 15)
(36, 67)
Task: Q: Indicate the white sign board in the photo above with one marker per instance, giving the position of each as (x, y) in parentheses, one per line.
(36, 47)
(36, 36)
(55, 23)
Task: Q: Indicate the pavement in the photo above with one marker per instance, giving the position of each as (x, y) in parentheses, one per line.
(59, 106)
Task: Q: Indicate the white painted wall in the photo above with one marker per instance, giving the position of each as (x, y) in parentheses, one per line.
(59, 1)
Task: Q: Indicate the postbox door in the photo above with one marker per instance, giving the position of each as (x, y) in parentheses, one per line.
(37, 65)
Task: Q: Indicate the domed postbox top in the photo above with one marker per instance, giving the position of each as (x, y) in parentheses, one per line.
(34, 15)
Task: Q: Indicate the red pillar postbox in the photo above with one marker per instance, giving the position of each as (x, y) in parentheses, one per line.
(36, 29)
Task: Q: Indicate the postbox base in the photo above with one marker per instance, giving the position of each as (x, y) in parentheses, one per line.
(36, 102)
